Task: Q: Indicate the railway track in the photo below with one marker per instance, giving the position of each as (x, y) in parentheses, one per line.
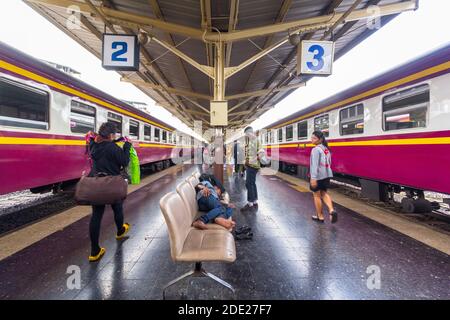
(437, 219)
(21, 208)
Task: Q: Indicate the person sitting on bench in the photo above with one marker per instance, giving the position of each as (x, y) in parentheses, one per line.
(208, 198)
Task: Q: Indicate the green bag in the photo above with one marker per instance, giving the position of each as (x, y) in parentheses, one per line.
(133, 169)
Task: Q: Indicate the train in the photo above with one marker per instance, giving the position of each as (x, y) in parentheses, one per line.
(45, 115)
(387, 135)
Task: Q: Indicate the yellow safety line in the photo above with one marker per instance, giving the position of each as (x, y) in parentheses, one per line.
(38, 78)
(298, 188)
(415, 76)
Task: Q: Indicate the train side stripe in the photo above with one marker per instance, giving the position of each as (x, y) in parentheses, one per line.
(39, 141)
(385, 142)
(66, 142)
(28, 74)
(379, 90)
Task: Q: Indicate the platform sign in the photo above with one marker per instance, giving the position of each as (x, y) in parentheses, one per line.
(120, 52)
(316, 57)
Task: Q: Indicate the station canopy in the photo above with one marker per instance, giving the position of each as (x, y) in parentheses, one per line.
(241, 51)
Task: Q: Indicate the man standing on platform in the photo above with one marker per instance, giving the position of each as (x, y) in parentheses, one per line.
(252, 166)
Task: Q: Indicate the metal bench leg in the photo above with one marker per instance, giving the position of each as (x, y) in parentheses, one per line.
(220, 281)
(199, 272)
(171, 283)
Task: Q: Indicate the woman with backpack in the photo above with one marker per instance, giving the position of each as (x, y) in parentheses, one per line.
(320, 171)
(110, 160)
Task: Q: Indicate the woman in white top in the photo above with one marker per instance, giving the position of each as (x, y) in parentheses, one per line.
(320, 171)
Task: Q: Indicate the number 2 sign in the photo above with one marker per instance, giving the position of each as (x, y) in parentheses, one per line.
(317, 57)
(120, 52)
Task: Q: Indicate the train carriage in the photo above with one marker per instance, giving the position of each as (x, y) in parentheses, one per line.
(44, 116)
(389, 133)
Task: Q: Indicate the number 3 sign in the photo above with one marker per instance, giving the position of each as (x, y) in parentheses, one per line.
(120, 52)
(317, 57)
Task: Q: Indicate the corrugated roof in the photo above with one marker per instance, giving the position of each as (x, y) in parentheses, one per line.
(158, 66)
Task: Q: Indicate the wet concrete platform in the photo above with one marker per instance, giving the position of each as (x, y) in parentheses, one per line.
(290, 256)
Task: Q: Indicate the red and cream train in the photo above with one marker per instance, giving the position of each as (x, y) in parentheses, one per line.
(44, 115)
(389, 133)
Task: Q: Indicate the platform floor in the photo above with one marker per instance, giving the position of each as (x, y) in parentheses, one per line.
(290, 256)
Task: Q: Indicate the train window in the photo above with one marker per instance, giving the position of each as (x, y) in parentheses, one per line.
(156, 135)
(82, 117)
(23, 106)
(266, 138)
(289, 133)
(352, 120)
(170, 137)
(406, 109)
(280, 134)
(322, 123)
(302, 130)
(147, 133)
(134, 129)
(117, 120)
(164, 136)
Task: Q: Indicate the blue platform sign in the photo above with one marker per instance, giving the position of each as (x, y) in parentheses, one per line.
(120, 52)
(317, 57)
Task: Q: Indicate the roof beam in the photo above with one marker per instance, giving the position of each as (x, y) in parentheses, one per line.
(334, 4)
(313, 23)
(265, 91)
(302, 25)
(198, 105)
(145, 53)
(240, 104)
(209, 71)
(280, 18)
(232, 22)
(157, 11)
(205, 7)
(233, 70)
(85, 21)
(179, 92)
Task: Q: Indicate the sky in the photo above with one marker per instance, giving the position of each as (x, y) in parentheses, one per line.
(406, 37)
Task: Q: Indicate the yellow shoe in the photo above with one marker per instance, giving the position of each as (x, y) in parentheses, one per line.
(127, 228)
(98, 256)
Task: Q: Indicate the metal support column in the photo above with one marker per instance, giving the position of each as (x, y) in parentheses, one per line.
(219, 95)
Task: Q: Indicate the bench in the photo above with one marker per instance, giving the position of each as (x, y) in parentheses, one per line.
(188, 244)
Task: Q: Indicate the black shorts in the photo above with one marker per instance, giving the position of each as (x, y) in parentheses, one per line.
(322, 185)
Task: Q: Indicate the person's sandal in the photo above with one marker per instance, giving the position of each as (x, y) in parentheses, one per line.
(126, 228)
(98, 256)
(316, 218)
(334, 216)
(243, 229)
(244, 236)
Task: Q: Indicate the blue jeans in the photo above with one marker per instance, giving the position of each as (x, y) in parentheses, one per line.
(250, 184)
(214, 209)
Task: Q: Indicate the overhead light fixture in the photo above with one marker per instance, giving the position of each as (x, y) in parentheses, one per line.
(294, 39)
(144, 38)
